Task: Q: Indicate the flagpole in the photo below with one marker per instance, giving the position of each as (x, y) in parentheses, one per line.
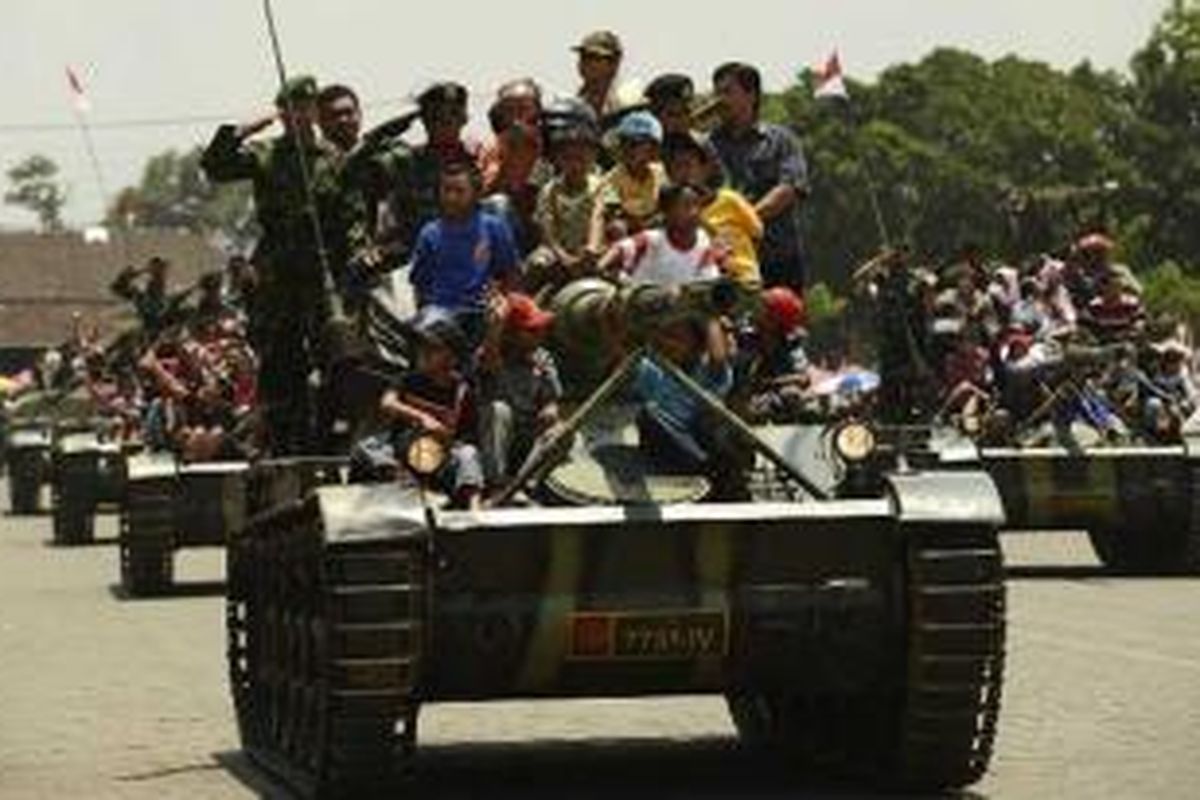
(89, 144)
(831, 84)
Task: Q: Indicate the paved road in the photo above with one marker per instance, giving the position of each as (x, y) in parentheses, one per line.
(106, 698)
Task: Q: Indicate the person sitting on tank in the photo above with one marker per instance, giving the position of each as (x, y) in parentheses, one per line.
(726, 215)
(1089, 261)
(463, 254)
(673, 256)
(567, 205)
(513, 167)
(674, 431)
(1116, 314)
(967, 380)
(629, 198)
(1170, 394)
(773, 368)
(434, 399)
(518, 382)
(193, 414)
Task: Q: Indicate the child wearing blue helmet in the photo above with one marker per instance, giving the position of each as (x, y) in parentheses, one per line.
(629, 196)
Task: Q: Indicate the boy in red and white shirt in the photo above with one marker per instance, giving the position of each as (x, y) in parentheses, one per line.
(678, 253)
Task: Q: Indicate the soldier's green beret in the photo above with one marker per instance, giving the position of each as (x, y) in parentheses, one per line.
(298, 89)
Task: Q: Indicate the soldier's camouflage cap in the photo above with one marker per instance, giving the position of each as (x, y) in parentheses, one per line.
(298, 89)
(600, 43)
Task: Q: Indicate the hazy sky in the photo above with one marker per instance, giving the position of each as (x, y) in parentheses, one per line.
(167, 59)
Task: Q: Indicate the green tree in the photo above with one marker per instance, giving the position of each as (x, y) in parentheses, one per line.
(1011, 155)
(173, 193)
(36, 188)
(1167, 82)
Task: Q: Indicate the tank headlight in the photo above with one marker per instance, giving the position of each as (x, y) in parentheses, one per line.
(854, 442)
(425, 456)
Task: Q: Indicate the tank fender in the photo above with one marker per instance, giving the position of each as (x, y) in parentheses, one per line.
(152, 467)
(951, 497)
(28, 438)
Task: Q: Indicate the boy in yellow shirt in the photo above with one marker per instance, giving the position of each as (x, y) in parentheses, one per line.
(729, 218)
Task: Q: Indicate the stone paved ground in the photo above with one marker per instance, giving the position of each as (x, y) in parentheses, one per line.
(105, 698)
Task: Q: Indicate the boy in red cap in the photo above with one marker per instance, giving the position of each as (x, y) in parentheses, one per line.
(774, 368)
(518, 383)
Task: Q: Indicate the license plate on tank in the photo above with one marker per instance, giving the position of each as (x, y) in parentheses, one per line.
(654, 636)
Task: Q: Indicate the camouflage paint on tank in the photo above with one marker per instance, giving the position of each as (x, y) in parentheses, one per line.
(666, 599)
(1056, 489)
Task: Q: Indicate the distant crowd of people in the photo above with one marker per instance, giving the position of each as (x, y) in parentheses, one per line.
(1054, 351)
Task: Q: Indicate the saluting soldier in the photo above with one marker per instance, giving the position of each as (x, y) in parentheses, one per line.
(294, 255)
(402, 180)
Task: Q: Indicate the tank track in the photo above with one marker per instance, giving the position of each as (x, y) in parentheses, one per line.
(74, 520)
(1191, 554)
(147, 545)
(324, 646)
(24, 481)
(955, 670)
(935, 727)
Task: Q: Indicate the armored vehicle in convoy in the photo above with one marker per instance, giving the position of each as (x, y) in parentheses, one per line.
(850, 609)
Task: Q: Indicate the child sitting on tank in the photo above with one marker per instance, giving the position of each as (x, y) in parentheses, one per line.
(435, 400)
(629, 196)
(772, 360)
(463, 254)
(519, 387)
(566, 207)
(672, 256)
(675, 431)
(726, 215)
(1170, 393)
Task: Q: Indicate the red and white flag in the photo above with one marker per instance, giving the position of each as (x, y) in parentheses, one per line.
(78, 96)
(829, 79)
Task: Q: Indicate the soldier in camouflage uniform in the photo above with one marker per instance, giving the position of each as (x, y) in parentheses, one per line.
(404, 179)
(296, 309)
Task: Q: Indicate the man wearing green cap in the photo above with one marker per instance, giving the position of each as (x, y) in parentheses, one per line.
(404, 178)
(600, 55)
(292, 260)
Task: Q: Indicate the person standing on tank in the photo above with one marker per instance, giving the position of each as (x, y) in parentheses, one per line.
(766, 164)
(293, 304)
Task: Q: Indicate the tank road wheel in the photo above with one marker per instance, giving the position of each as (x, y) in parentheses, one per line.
(324, 646)
(147, 538)
(955, 668)
(24, 481)
(936, 729)
(74, 522)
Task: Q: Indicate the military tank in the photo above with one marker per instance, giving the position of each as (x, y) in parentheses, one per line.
(86, 474)
(27, 461)
(1140, 505)
(853, 615)
(170, 506)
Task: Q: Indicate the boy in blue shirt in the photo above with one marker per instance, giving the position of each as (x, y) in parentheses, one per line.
(463, 254)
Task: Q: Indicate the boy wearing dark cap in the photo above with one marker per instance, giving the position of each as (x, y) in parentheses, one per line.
(518, 381)
(566, 208)
(434, 399)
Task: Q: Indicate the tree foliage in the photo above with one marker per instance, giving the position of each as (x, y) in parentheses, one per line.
(36, 188)
(1012, 155)
(173, 193)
